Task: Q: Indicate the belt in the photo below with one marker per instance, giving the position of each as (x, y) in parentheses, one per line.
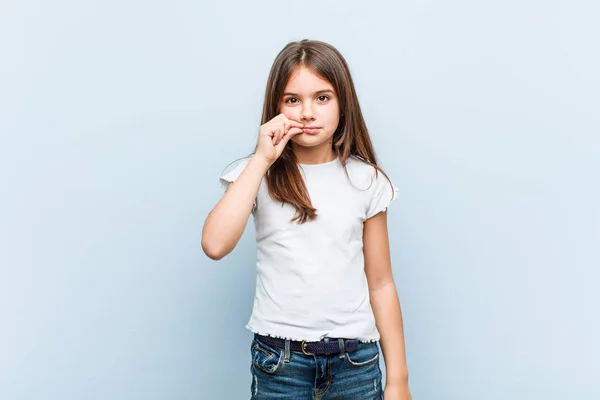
(325, 346)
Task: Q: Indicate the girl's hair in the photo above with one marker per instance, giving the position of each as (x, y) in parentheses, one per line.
(351, 137)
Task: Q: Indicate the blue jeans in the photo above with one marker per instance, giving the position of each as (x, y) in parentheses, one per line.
(349, 376)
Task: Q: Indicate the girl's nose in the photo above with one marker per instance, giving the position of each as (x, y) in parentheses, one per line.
(307, 114)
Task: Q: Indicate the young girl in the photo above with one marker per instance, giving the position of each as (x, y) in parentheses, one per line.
(325, 294)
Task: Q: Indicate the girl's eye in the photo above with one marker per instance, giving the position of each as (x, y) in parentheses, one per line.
(323, 98)
(291, 100)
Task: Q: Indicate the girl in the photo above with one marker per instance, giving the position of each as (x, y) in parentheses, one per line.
(325, 294)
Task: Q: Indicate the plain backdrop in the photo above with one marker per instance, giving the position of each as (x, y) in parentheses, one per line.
(117, 117)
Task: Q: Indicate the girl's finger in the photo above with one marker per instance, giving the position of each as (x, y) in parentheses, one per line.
(286, 123)
(296, 124)
(274, 133)
(282, 130)
(273, 130)
(290, 122)
(293, 132)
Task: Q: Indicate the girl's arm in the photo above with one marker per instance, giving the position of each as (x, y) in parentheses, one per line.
(225, 224)
(385, 304)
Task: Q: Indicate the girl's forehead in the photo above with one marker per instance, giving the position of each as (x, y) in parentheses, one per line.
(304, 79)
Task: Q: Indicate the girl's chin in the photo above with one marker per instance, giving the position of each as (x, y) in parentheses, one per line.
(306, 140)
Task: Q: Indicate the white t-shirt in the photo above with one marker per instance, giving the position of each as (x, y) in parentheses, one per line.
(310, 281)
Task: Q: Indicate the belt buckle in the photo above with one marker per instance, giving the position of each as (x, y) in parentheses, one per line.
(303, 347)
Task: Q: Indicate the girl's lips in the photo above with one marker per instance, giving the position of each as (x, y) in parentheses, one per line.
(310, 130)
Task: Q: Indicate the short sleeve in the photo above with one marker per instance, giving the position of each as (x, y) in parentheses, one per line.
(232, 172)
(380, 194)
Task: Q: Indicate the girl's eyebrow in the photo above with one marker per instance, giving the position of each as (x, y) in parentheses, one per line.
(315, 93)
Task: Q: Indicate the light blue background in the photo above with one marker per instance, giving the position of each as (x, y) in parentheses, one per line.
(117, 117)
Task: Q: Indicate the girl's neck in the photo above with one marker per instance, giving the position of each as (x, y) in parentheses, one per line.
(308, 155)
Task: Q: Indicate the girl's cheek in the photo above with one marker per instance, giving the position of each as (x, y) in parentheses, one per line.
(290, 114)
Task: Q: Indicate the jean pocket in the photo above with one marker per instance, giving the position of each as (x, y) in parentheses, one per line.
(366, 354)
(266, 358)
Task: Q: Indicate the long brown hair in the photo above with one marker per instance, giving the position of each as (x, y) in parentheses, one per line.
(351, 137)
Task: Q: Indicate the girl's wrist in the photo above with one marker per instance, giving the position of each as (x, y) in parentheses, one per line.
(399, 379)
(260, 162)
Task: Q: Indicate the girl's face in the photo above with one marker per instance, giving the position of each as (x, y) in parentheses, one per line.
(311, 100)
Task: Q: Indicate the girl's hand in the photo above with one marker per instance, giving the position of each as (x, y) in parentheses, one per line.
(274, 135)
(396, 392)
